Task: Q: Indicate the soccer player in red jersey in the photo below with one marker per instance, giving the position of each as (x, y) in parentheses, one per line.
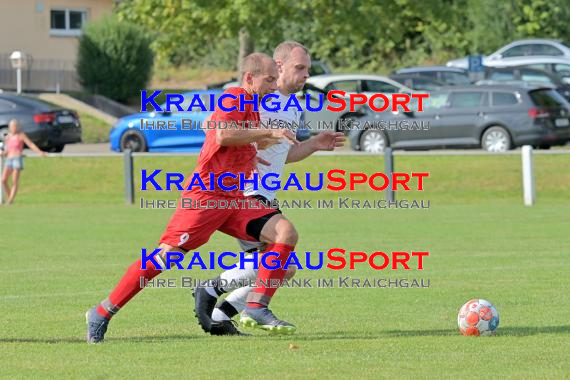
(225, 150)
(293, 61)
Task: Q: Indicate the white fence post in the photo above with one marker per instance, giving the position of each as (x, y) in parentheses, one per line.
(529, 192)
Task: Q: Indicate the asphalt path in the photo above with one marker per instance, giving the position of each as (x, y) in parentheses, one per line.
(97, 150)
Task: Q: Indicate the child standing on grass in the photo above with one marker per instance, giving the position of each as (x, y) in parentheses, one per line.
(13, 150)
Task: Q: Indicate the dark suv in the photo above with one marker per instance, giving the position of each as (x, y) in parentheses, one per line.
(495, 118)
(48, 126)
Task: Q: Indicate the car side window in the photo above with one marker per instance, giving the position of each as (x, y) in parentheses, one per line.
(468, 99)
(540, 66)
(516, 51)
(380, 87)
(205, 98)
(344, 85)
(562, 69)
(436, 100)
(6, 106)
(455, 78)
(544, 49)
(422, 84)
(502, 76)
(429, 74)
(532, 76)
(504, 99)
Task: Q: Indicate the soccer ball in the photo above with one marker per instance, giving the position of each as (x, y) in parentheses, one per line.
(478, 317)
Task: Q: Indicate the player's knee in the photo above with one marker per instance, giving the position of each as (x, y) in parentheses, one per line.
(165, 249)
(291, 271)
(286, 233)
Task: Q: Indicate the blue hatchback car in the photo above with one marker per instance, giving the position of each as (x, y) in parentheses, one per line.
(127, 132)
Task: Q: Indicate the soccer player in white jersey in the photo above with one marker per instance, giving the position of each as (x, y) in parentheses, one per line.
(293, 62)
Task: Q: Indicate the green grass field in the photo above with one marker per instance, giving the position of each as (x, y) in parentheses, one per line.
(69, 238)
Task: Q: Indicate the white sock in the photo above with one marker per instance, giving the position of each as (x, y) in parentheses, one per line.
(237, 299)
(219, 315)
(237, 274)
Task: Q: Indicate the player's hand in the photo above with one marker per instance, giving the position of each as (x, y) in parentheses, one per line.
(265, 143)
(328, 140)
(43, 154)
(277, 135)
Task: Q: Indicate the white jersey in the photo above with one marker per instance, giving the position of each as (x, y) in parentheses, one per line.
(275, 154)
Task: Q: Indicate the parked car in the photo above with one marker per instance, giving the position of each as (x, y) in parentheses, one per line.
(526, 74)
(450, 76)
(127, 133)
(419, 83)
(518, 49)
(50, 127)
(553, 65)
(495, 118)
(351, 84)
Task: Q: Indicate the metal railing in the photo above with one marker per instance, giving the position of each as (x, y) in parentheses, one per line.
(50, 75)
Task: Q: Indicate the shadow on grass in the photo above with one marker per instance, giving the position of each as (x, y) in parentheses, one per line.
(134, 339)
(334, 335)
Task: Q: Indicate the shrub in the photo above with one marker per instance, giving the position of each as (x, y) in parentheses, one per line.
(114, 59)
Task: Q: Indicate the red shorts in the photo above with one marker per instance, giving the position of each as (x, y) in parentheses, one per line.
(189, 228)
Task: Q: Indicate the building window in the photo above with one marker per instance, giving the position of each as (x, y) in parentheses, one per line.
(67, 22)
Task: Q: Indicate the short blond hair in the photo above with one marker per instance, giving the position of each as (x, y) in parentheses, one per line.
(16, 123)
(284, 49)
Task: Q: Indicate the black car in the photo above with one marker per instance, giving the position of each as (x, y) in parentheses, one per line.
(50, 127)
(495, 118)
(451, 76)
(526, 74)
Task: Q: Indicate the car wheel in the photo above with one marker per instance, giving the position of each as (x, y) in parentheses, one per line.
(373, 141)
(133, 140)
(496, 139)
(545, 147)
(56, 148)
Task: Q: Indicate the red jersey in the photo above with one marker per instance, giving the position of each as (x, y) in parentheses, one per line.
(218, 159)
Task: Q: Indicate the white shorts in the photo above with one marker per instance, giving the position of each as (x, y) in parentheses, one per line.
(251, 246)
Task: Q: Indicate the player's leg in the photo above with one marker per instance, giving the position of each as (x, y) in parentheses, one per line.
(130, 285)
(5, 177)
(205, 298)
(187, 229)
(249, 223)
(15, 185)
(281, 238)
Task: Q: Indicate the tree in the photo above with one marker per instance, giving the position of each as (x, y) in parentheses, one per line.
(195, 25)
